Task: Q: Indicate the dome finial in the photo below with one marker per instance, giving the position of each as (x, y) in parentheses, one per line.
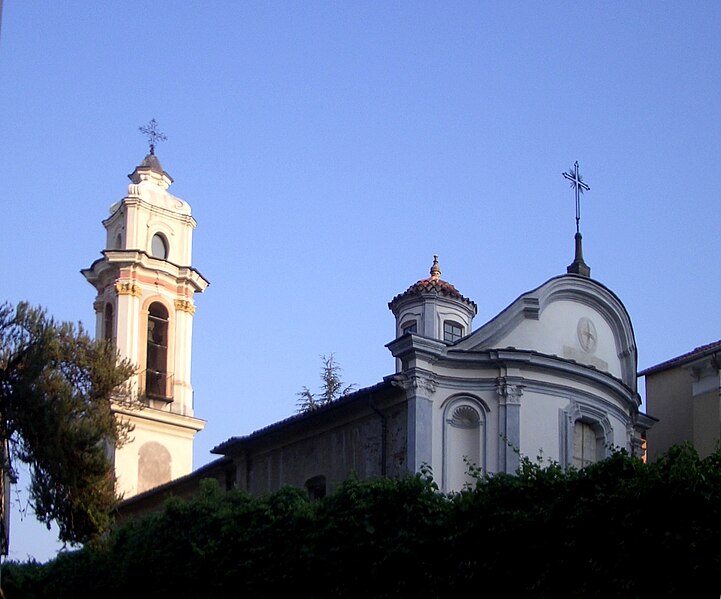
(435, 269)
(579, 186)
(578, 266)
(153, 134)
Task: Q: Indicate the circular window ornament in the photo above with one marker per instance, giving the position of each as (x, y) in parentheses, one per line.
(587, 336)
(159, 247)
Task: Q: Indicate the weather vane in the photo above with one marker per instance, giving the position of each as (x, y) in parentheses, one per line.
(577, 182)
(153, 134)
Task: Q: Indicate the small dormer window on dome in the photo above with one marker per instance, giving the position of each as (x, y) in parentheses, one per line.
(452, 331)
(409, 326)
(159, 247)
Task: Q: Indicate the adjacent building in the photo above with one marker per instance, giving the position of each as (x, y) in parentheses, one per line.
(684, 394)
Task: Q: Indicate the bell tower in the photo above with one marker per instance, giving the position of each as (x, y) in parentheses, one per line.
(144, 304)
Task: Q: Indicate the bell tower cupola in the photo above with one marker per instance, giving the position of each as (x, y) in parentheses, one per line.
(144, 304)
(433, 308)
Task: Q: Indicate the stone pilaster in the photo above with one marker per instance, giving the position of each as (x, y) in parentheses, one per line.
(509, 424)
(419, 388)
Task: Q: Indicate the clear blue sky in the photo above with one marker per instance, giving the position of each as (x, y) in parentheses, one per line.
(329, 149)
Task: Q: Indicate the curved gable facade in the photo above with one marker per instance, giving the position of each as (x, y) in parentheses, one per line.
(572, 317)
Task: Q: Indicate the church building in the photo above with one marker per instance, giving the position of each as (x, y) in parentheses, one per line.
(552, 374)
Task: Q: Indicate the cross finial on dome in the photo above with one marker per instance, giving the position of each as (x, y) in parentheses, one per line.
(579, 186)
(578, 266)
(435, 269)
(153, 134)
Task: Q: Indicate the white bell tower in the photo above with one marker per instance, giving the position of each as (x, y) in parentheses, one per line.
(145, 287)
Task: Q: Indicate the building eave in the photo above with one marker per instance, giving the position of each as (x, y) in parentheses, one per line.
(235, 445)
(698, 353)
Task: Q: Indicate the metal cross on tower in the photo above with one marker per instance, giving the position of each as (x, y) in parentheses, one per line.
(577, 182)
(153, 134)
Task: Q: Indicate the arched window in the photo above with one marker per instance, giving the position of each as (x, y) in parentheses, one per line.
(108, 333)
(118, 242)
(159, 247)
(586, 434)
(316, 487)
(409, 326)
(463, 443)
(452, 331)
(156, 380)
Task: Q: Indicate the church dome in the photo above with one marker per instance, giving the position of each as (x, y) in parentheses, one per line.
(150, 168)
(433, 285)
(151, 161)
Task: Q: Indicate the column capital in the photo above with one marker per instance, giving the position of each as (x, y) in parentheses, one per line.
(128, 288)
(508, 392)
(184, 305)
(416, 381)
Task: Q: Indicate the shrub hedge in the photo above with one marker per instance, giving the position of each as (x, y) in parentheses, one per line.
(618, 528)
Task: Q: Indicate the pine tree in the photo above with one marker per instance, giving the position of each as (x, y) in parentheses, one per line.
(331, 387)
(57, 387)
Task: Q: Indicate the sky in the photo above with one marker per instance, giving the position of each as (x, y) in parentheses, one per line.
(330, 149)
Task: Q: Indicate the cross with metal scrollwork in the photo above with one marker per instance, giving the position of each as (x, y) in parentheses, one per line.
(153, 134)
(577, 182)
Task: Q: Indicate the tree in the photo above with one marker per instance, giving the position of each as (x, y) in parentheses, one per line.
(57, 389)
(331, 388)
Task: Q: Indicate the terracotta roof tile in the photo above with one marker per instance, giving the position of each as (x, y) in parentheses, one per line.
(432, 285)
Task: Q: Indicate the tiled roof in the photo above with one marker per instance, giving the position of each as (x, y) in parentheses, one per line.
(432, 285)
(694, 354)
(360, 394)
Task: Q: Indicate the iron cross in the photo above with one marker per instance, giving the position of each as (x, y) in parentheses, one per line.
(577, 182)
(153, 134)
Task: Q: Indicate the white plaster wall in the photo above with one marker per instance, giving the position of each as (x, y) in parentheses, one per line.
(555, 333)
(179, 442)
(620, 434)
(540, 425)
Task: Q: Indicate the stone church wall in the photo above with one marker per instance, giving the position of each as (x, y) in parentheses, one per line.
(372, 445)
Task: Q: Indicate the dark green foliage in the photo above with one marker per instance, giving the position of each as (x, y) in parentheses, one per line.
(332, 387)
(619, 528)
(56, 390)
